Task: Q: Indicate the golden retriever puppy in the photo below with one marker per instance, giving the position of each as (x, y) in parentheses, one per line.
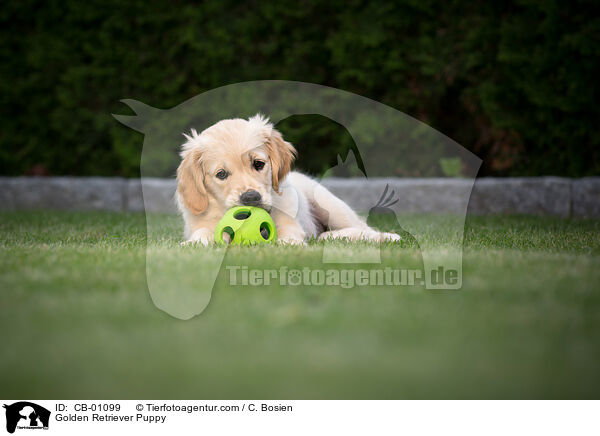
(247, 162)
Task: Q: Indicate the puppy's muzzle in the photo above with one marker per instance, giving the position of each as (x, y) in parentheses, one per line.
(251, 198)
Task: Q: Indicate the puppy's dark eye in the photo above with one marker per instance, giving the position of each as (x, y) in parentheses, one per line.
(258, 165)
(222, 175)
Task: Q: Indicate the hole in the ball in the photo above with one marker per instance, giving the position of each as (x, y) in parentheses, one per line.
(265, 231)
(228, 235)
(242, 215)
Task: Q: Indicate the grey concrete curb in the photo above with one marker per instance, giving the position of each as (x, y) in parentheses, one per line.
(553, 196)
(62, 193)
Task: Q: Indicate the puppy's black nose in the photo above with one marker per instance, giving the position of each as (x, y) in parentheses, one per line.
(250, 198)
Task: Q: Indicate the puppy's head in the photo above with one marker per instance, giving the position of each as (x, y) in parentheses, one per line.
(232, 163)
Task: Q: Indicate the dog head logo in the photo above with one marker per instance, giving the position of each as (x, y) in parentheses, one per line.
(26, 415)
(392, 147)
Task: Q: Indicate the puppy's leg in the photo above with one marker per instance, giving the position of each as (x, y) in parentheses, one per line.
(202, 236)
(341, 220)
(292, 217)
(289, 230)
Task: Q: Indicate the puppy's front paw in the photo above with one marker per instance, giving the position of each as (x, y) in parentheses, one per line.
(202, 241)
(291, 240)
(389, 237)
(200, 237)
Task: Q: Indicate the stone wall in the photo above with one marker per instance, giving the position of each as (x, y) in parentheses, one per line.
(552, 196)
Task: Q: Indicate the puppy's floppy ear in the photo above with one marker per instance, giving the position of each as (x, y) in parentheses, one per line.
(190, 183)
(281, 155)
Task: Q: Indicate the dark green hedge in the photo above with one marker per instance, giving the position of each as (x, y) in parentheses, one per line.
(517, 83)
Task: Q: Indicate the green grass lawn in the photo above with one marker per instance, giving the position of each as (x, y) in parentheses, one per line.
(77, 320)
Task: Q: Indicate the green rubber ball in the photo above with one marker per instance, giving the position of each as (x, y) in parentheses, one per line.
(245, 225)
